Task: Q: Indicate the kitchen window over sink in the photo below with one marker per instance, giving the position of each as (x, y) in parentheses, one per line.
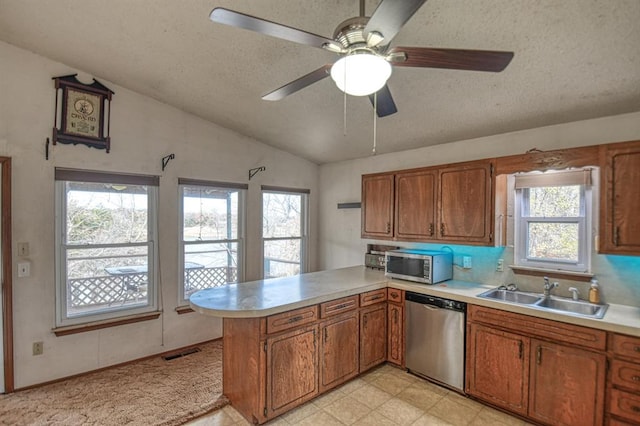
(554, 220)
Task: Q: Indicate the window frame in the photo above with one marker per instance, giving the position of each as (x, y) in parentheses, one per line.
(240, 240)
(63, 176)
(304, 224)
(584, 221)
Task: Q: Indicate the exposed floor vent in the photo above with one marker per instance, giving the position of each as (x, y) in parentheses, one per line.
(180, 354)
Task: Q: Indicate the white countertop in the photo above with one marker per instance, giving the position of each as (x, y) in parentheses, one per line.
(266, 297)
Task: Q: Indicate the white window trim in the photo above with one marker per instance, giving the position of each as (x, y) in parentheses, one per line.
(242, 203)
(586, 232)
(62, 319)
(304, 227)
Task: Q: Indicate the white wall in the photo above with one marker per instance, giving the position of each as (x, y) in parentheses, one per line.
(340, 244)
(142, 132)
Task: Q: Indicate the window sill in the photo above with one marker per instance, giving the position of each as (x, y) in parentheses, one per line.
(552, 273)
(184, 310)
(97, 325)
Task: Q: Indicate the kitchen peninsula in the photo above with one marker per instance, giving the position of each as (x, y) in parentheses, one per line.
(290, 339)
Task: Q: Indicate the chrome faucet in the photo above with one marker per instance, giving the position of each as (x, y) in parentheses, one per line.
(548, 286)
(574, 293)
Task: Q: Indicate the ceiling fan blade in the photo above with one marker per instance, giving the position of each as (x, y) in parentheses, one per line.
(299, 84)
(262, 26)
(386, 105)
(390, 16)
(458, 59)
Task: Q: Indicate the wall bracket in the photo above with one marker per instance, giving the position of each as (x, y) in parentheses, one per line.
(165, 160)
(255, 171)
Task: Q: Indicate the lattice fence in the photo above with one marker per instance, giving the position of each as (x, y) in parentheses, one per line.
(84, 292)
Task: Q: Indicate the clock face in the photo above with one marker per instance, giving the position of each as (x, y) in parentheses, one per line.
(82, 114)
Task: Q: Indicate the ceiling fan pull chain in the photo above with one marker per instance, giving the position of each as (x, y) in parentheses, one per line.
(375, 121)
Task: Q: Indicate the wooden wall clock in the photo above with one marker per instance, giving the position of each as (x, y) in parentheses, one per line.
(82, 116)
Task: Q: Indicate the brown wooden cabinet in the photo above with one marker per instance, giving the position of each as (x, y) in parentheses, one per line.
(567, 385)
(377, 206)
(292, 369)
(465, 203)
(624, 380)
(620, 199)
(548, 371)
(339, 350)
(446, 204)
(498, 370)
(395, 327)
(415, 205)
(373, 336)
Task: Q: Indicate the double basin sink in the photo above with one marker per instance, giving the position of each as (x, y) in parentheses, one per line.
(549, 303)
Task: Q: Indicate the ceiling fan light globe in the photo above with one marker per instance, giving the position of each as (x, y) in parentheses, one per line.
(361, 74)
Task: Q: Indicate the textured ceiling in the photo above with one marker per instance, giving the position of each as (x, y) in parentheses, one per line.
(574, 59)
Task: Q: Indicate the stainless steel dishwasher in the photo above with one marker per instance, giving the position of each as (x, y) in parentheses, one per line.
(435, 338)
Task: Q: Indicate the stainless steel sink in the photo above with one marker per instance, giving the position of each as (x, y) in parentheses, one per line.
(575, 307)
(511, 296)
(555, 304)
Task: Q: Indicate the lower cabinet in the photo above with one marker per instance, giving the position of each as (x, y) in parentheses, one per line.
(395, 337)
(518, 363)
(498, 369)
(292, 369)
(624, 380)
(373, 336)
(339, 350)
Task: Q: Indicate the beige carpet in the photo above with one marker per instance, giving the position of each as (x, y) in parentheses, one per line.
(149, 392)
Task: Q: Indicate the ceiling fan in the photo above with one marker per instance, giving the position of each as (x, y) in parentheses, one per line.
(366, 58)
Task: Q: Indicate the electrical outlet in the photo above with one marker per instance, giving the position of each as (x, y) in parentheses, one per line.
(500, 265)
(38, 348)
(466, 262)
(23, 249)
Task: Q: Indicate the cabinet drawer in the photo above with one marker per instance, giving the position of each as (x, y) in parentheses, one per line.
(291, 319)
(372, 297)
(626, 346)
(625, 404)
(616, 422)
(338, 306)
(625, 374)
(539, 327)
(394, 295)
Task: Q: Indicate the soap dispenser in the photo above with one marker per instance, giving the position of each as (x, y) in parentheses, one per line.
(594, 292)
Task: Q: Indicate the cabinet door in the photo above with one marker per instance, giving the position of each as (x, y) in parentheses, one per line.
(415, 205)
(567, 385)
(395, 343)
(498, 367)
(339, 350)
(465, 203)
(373, 336)
(620, 201)
(292, 370)
(377, 206)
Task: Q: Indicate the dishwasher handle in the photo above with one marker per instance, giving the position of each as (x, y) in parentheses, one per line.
(438, 302)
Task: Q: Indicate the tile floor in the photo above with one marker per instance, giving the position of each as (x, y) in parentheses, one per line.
(384, 396)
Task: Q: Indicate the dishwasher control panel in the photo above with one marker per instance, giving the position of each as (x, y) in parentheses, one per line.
(439, 302)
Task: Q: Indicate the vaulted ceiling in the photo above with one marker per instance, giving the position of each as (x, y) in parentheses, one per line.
(574, 60)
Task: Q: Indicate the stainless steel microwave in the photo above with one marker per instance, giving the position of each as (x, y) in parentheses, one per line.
(423, 266)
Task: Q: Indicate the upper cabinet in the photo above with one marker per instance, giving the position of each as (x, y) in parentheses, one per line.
(447, 204)
(377, 206)
(620, 199)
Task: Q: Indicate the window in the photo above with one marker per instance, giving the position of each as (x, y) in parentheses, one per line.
(211, 234)
(284, 231)
(553, 220)
(106, 245)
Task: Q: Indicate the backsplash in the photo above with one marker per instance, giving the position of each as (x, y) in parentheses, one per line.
(618, 276)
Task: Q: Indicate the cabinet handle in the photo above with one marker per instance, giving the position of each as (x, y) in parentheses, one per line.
(364, 319)
(326, 337)
(394, 295)
(539, 355)
(616, 235)
(295, 319)
(395, 316)
(635, 378)
(442, 229)
(636, 348)
(520, 349)
(431, 229)
(388, 226)
(342, 306)
(635, 408)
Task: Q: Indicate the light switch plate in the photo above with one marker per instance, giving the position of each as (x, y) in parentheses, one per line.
(466, 262)
(24, 269)
(23, 249)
